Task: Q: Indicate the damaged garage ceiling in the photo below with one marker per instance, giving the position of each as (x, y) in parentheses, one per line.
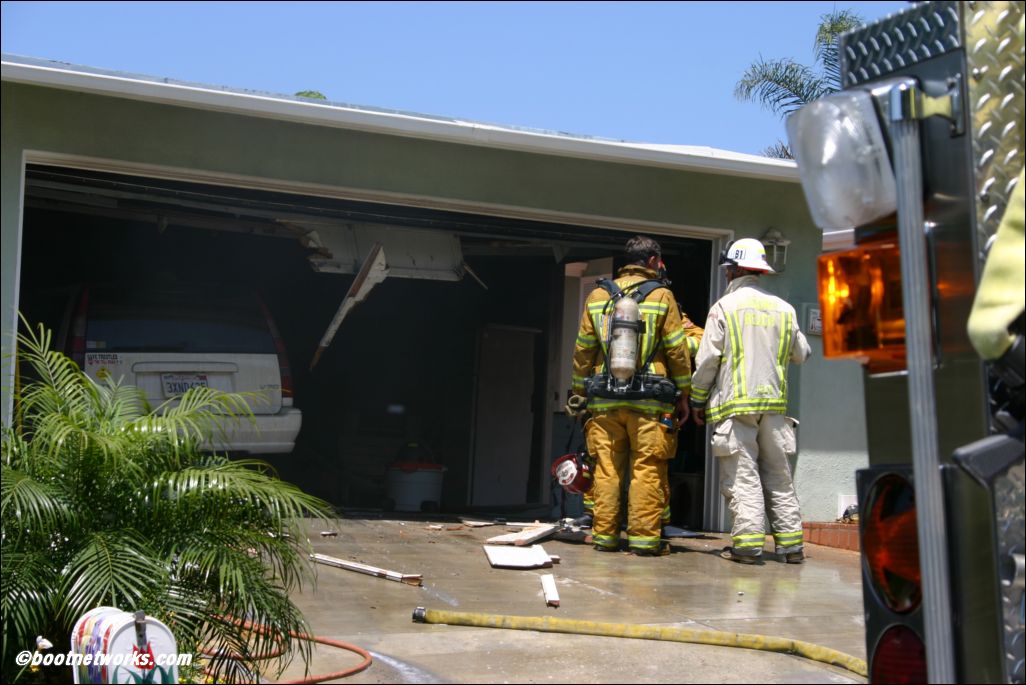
(333, 245)
(337, 234)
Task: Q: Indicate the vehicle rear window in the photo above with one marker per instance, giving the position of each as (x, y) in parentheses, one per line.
(129, 320)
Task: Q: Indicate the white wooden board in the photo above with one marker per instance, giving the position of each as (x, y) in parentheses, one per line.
(523, 537)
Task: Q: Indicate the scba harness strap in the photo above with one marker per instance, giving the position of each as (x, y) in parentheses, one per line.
(644, 385)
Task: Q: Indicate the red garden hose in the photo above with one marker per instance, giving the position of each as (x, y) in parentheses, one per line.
(260, 628)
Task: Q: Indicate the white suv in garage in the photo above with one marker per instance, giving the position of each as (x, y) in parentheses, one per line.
(165, 340)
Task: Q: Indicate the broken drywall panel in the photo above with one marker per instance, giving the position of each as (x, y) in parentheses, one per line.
(505, 556)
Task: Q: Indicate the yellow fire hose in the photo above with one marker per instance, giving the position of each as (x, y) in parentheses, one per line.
(546, 624)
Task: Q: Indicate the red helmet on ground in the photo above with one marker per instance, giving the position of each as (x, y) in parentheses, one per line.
(573, 472)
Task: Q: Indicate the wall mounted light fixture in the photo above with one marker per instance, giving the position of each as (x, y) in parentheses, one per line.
(776, 249)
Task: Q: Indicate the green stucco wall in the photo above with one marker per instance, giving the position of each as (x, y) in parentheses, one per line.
(129, 131)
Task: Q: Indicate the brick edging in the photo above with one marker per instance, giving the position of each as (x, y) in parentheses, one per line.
(830, 534)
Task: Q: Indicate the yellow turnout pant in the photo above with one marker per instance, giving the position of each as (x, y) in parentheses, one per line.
(622, 439)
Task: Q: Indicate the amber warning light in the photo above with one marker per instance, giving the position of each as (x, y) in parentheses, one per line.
(860, 297)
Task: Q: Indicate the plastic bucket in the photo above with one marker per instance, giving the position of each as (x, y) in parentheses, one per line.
(415, 486)
(110, 632)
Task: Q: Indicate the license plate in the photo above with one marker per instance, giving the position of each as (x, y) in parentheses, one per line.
(176, 384)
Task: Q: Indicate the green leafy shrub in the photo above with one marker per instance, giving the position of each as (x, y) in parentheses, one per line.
(106, 501)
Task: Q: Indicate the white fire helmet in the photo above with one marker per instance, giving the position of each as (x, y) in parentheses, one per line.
(747, 253)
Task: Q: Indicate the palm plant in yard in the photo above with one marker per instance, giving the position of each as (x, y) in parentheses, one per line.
(106, 501)
(784, 85)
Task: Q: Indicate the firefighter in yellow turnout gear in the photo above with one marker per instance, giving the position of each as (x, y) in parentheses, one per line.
(627, 427)
(693, 338)
(740, 384)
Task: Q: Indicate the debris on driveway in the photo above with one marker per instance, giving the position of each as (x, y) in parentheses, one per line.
(478, 524)
(406, 578)
(502, 556)
(548, 582)
(532, 533)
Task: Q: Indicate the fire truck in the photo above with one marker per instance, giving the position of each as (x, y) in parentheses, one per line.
(908, 169)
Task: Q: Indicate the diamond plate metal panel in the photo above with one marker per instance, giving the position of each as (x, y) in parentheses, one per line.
(1010, 514)
(994, 58)
(900, 40)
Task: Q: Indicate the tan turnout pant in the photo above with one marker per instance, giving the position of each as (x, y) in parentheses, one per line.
(755, 479)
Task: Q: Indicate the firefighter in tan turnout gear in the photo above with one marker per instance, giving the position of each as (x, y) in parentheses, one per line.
(631, 364)
(740, 384)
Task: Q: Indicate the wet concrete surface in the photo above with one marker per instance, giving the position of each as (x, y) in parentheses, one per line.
(819, 601)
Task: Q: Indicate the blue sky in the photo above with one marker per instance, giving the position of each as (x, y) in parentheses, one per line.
(657, 72)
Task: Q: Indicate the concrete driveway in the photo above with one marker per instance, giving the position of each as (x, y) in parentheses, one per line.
(819, 601)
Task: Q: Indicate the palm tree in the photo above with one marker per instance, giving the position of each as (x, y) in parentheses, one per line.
(783, 85)
(107, 502)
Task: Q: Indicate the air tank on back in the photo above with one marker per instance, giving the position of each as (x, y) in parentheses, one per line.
(623, 345)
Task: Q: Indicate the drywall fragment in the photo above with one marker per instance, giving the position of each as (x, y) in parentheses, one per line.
(505, 556)
(407, 578)
(548, 582)
(523, 537)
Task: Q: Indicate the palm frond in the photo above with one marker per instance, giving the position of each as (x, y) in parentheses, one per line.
(831, 26)
(27, 580)
(106, 501)
(243, 482)
(28, 504)
(111, 568)
(779, 150)
(781, 86)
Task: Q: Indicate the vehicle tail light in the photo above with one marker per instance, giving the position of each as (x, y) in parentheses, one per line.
(283, 359)
(900, 657)
(890, 544)
(892, 591)
(860, 297)
(77, 343)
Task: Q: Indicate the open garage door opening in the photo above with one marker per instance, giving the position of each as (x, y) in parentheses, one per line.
(459, 356)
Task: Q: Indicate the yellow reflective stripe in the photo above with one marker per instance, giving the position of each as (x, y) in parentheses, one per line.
(789, 536)
(587, 342)
(745, 407)
(643, 406)
(737, 354)
(648, 339)
(699, 394)
(606, 540)
(749, 541)
(741, 357)
(643, 542)
(673, 339)
(656, 307)
(599, 321)
(682, 381)
(785, 335)
(692, 346)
